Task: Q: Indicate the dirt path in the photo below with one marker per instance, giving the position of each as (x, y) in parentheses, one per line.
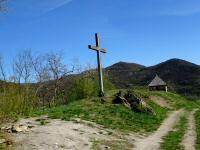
(161, 102)
(152, 142)
(63, 135)
(189, 139)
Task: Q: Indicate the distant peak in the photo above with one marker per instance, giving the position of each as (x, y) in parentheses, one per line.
(126, 63)
(125, 66)
(175, 60)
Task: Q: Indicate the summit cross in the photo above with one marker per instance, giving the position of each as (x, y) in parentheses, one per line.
(99, 50)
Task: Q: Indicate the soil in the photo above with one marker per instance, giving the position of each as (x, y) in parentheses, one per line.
(152, 142)
(56, 134)
(161, 102)
(189, 139)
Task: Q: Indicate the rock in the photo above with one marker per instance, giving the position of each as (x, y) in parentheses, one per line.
(2, 141)
(19, 128)
(107, 147)
(31, 126)
(9, 142)
(130, 100)
(6, 128)
(104, 147)
(16, 128)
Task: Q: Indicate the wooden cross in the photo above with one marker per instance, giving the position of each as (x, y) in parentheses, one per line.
(99, 51)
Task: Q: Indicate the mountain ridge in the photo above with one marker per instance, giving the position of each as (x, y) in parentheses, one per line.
(182, 76)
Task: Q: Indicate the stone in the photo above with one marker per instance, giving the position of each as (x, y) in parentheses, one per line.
(130, 100)
(2, 141)
(19, 128)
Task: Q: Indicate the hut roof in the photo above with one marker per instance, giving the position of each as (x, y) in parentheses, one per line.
(157, 81)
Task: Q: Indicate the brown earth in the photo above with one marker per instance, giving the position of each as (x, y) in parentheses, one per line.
(161, 102)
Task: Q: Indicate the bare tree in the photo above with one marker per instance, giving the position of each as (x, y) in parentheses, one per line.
(41, 70)
(23, 66)
(2, 70)
(42, 76)
(77, 67)
(57, 71)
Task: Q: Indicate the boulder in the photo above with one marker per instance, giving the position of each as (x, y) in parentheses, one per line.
(130, 100)
(19, 128)
(2, 141)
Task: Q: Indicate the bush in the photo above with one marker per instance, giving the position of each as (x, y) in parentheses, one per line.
(86, 87)
(17, 100)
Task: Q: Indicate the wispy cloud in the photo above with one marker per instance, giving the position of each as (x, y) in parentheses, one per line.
(36, 7)
(57, 4)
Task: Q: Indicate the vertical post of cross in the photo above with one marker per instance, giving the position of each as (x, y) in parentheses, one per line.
(99, 62)
(101, 93)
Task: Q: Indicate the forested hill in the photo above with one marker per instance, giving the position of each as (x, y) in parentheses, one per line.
(181, 76)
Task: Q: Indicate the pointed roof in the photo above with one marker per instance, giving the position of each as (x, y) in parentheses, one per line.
(157, 81)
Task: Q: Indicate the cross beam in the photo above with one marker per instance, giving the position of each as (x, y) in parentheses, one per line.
(99, 51)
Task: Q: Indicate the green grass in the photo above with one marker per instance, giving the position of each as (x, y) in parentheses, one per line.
(109, 115)
(173, 139)
(178, 101)
(43, 122)
(197, 117)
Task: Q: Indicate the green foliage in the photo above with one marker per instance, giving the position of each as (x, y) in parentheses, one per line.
(109, 115)
(83, 88)
(87, 87)
(17, 100)
(173, 139)
(197, 117)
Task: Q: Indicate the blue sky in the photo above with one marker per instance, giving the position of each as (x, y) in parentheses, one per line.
(142, 31)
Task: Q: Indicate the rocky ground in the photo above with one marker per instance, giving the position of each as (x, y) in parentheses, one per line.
(47, 134)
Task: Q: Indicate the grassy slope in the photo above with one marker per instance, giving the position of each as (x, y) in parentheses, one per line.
(197, 116)
(110, 116)
(118, 116)
(178, 100)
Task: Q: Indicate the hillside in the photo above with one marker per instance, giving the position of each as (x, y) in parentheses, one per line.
(121, 73)
(90, 124)
(181, 76)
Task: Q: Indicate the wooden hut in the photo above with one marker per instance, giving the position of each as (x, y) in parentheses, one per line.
(157, 84)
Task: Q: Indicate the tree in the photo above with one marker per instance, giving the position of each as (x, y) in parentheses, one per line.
(23, 72)
(2, 70)
(42, 76)
(23, 66)
(57, 71)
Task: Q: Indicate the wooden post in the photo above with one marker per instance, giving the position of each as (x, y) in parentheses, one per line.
(166, 89)
(99, 62)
